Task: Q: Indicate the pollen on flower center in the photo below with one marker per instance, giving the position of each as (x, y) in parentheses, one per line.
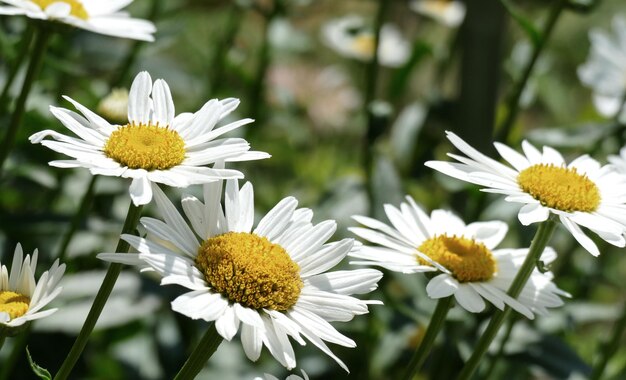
(560, 188)
(250, 270)
(146, 147)
(468, 260)
(77, 9)
(364, 44)
(13, 303)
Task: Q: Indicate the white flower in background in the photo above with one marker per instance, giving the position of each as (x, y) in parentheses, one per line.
(154, 146)
(473, 271)
(352, 37)
(605, 69)
(581, 193)
(114, 107)
(267, 376)
(271, 281)
(447, 12)
(98, 16)
(22, 298)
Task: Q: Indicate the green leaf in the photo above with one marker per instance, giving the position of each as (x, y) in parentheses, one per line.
(41, 372)
(524, 23)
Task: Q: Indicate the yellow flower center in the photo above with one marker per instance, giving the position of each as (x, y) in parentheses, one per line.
(250, 270)
(560, 188)
(146, 147)
(13, 303)
(364, 44)
(468, 260)
(77, 8)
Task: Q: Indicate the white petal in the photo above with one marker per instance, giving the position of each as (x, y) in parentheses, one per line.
(533, 213)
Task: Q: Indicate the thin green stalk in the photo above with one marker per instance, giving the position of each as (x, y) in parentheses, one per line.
(500, 353)
(233, 23)
(25, 42)
(2, 339)
(374, 126)
(436, 323)
(42, 36)
(200, 355)
(134, 212)
(85, 205)
(504, 129)
(611, 348)
(539, 243)
(17, 349)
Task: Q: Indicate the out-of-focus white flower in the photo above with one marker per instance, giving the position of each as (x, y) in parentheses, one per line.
(327, 94)
(22, 298)
(448, 12)
(114, 107)
(352, 37)
(267, 376)
(98, 16)
(605, 69)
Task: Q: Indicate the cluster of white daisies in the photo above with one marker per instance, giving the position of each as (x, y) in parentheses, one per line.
(271, 281)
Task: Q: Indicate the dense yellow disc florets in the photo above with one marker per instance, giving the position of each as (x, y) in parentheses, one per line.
(560, 188)
(13, 303)
(468, 260)
(250, 270)
(77, 8)
(146, 147)
(364, 44)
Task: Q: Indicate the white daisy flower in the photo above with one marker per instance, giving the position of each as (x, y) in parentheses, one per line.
(581, 193)
(447, 12)
(268, 376)
(473, 271)
(605, 69)
(271, 280)
(98, 16)
(154, 146)
(351, 37)
(22, 298)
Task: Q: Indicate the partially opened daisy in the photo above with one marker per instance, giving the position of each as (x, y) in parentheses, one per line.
(472, 269)
(154, 146)
(271, 280)
(22, 297)
(98, 16)
(581, 193)
(447, 12)
(352, 37)
(605, 69)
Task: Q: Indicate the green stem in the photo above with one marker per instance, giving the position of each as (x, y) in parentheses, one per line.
(611, 347)
(200, 355)
(17, 349)
(436, 323)
(42, 36)
(513, 104)
(500, 353)
(85, 205)
(134, 212)
(539, 243)
(375, 126)
(27, 38)
(2, 339)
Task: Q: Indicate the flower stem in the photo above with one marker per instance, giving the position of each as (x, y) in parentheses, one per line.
(2, 339)
(25, 42)
(611, 347)
(134, 212)
(541, 239)
(200, 355)
(42, 36)
(500, 353)
(436, 323)
(513, 104)
(85, 204)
